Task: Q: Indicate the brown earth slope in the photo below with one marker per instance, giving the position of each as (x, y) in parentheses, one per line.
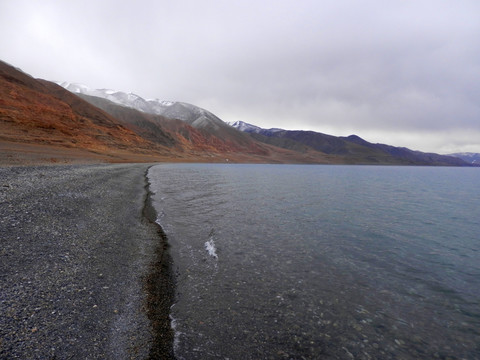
(45, 117)
(41, 122)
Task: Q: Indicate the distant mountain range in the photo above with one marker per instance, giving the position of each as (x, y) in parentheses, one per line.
(117, 126)
(472, 158)
(353, 148)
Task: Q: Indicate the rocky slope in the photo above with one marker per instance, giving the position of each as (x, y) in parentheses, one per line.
(187, 128)
(38, 112)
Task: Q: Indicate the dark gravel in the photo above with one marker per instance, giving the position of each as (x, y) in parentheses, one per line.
(75, 253)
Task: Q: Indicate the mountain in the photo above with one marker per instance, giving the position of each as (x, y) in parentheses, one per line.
(41, 121)
(412, 156)
(245, 127)
(266, 136)
(126, 99)
(41, 117)
(179, 134)
(472, 158)
(215, 133)
(352, 149)
(249, 128)
(193, 115)
(209, 123)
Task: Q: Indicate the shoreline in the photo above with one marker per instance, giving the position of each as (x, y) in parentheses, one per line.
(159, 286)
(79, 264)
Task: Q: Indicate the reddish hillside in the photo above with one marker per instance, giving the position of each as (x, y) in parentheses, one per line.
(42, 122)
(41, 113)
(179, 134)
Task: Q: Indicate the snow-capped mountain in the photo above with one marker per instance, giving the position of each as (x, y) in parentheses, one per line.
(193, 115)
(126, 99)
(249, 128)
(353, 145)
(243, 126)
(250, 136)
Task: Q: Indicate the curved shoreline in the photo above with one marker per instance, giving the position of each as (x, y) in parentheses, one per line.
(160, 287)
(80, 264)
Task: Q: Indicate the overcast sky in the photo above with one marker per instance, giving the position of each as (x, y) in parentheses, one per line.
(405, 73)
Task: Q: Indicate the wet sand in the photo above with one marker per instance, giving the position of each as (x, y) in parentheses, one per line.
(83, 272)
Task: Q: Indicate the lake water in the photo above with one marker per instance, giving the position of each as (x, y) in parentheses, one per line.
(322, 262)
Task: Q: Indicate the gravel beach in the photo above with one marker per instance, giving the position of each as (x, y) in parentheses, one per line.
(79, 265)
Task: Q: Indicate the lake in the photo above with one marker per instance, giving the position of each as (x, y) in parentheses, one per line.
(322, 262)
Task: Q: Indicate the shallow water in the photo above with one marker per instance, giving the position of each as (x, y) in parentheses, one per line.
(340, 262)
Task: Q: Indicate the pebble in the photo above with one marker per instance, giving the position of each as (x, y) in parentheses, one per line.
(56, 275)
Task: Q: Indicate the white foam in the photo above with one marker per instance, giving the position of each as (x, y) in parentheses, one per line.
(176, 333)
(211, 249)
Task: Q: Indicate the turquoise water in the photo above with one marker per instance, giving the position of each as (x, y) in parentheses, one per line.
(329, 262)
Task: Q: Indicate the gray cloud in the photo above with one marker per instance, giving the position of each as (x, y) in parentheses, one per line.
(401, 72)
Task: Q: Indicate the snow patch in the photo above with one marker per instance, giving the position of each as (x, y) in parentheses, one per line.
(193, 115)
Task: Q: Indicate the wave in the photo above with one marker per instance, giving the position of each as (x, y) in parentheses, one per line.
(211, 249)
